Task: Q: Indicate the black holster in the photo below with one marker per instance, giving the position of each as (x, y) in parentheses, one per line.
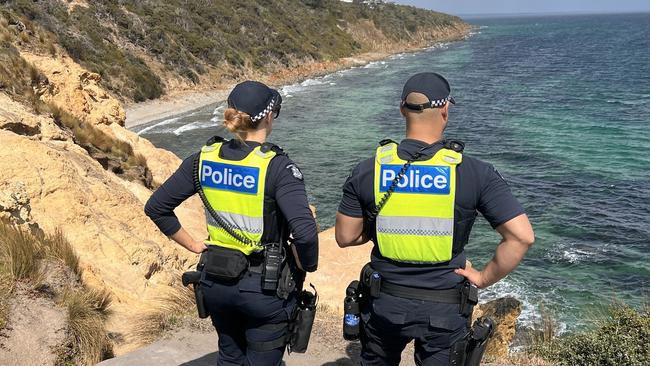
(302, 321)
(194, 278)
(371, 281)
(468, 298)
(469, 350)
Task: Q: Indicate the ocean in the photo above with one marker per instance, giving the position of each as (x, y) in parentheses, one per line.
(560, 105)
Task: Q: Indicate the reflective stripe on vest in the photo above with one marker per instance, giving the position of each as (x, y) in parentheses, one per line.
(416, 225)
(235, 190)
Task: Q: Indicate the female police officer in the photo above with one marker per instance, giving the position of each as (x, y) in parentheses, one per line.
(257, 196)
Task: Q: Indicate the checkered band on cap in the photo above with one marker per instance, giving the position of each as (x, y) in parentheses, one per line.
(440, 102)
(263, 113)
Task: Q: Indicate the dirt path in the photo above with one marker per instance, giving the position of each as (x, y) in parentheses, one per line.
(36, 327)
(192, 348)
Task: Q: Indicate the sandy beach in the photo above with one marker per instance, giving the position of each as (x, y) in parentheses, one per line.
(172, 105)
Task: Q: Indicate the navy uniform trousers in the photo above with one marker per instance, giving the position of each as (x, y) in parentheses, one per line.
(241, 313)
(390, 323)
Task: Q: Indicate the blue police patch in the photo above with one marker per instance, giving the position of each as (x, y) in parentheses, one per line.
(418, 179)
(229, 177)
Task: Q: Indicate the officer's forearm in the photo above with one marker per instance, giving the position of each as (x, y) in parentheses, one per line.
(508, 255)
(349, 231)
(360, 240)
(184, 238)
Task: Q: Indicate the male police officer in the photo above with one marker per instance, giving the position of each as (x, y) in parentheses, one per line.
(417, 202)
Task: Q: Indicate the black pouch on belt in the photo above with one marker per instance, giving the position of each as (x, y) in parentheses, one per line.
(468, 298)
(303, 321)
(371, 280)
(224, 263)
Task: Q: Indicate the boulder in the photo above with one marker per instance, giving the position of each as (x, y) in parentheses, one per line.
(504, 311)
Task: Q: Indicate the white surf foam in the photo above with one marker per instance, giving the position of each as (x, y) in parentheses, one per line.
(159, 124)
(289, 90)
(628, 102)
(530, 313)
(574, 255)
(375, 65)
(193, 126)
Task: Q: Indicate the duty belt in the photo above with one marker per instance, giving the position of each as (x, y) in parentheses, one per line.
(466, 296)
(451, 296)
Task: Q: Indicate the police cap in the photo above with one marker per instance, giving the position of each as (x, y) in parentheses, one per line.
(433, 86)
(254, 98)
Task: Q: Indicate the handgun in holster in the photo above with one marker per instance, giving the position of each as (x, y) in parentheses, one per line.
(194, 278)
(469, 350)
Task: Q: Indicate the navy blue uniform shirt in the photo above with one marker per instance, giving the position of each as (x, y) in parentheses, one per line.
(479, 188)
(281, 182)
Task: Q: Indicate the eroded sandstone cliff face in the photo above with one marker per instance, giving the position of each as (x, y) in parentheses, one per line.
(49, 181)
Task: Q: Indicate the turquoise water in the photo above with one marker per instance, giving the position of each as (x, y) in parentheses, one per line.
(560, 105)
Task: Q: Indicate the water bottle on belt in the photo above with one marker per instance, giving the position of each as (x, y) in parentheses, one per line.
(352, 312)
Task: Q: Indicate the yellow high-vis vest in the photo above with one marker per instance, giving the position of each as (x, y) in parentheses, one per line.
(235, 190)
(416, 225)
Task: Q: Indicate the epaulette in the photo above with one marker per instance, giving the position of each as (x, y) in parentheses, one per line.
(215, 139)
(385, 142)
(455, 145)
(269, 146)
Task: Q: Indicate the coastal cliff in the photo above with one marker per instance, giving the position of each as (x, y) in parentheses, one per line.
(144, 50)
(69, 166)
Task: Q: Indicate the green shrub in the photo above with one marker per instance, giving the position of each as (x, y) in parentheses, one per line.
(623, 338)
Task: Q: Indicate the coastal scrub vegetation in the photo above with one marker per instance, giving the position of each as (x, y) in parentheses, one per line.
(24, 257)
(131, 43)
(622, 337)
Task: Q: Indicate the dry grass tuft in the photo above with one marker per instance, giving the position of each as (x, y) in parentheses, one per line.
(5, 291)
(88, 309)
(167, 315)
(19, 253)
(57, 246)
(547, 328)
(88, 341)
